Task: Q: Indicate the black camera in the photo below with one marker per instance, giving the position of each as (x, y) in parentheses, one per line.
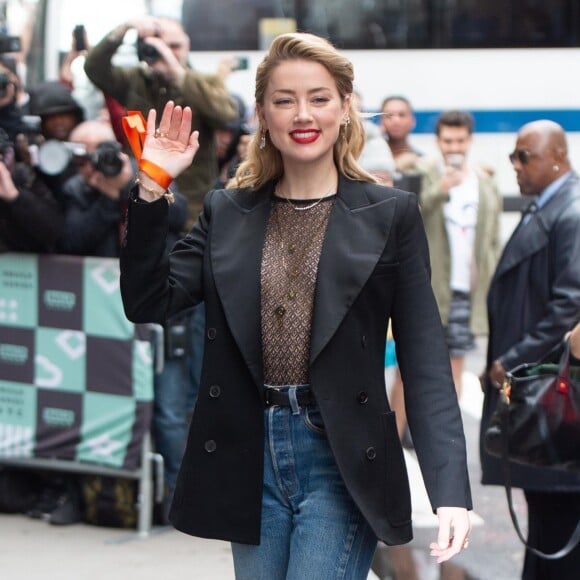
(10, 43)
(107, 158)
(146, 52)
(54, 157)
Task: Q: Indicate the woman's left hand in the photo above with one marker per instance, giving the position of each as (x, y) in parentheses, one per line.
(172, 146)
(448, 545)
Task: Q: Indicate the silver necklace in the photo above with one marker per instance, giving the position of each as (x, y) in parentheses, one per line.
(304, 207)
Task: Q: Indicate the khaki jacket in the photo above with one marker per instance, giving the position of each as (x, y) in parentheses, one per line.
(486, 246)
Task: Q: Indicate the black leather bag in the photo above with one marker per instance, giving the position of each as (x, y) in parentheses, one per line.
(537, 422)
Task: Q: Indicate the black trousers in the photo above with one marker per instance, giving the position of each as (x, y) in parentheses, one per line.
(552, 518)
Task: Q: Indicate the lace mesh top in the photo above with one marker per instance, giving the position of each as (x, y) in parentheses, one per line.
(288, 277)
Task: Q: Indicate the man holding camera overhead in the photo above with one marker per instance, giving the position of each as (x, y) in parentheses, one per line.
(164, 74)
(461, 208)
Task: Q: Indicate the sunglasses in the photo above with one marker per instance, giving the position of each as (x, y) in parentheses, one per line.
(521, 155)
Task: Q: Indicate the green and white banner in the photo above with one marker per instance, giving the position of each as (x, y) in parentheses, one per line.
(76, 377)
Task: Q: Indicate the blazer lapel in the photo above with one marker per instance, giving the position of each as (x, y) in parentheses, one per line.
(356, 236)
(237, 239)
(532, 236)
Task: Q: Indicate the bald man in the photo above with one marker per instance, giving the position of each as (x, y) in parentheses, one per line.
(533, 300)
(92, 197)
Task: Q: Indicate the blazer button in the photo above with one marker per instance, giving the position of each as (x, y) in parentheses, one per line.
(371, 453)
(210, 446)
(211, 333)
(363, 340)
(362, 398)
(215, 391)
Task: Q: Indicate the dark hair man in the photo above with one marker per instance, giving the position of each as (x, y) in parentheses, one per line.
(461, 208)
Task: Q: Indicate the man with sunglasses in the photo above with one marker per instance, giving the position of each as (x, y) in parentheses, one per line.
(164, 74)
(534, 299)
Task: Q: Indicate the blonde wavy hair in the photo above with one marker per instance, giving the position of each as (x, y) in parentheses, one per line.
(264, 165)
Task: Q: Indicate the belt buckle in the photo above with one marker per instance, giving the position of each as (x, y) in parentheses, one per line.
(267, 400)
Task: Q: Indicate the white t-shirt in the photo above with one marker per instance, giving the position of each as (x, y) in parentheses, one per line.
(460, 214)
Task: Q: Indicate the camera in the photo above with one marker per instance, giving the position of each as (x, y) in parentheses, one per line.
(10, 43)
(107, 159)
(455, 160)
(54, 157)
(146, 52)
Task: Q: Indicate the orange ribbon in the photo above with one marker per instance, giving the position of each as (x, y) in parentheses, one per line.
(135, 128)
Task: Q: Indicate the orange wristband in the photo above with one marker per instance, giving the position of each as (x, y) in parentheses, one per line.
(156, 173)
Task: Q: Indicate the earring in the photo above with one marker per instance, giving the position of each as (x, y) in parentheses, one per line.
(262, 144)
(555, 168)
(345, 127)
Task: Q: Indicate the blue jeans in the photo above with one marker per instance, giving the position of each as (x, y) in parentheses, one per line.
(170, 421)
(311, 527)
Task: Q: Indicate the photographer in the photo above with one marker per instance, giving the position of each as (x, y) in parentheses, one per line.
(31, 219)
(95, 196)
(57, 114)
(164, 74)
(92, 197)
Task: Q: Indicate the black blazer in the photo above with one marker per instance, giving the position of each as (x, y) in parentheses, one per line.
(533, 299)
(373, 266)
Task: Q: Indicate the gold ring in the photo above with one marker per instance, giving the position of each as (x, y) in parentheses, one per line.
(159, 133)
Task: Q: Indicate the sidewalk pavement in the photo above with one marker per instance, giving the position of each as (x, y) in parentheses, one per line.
(35, 550)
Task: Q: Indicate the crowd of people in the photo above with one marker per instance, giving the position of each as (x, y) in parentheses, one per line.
(288, 280)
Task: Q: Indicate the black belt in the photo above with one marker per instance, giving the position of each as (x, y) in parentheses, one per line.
(281, 398)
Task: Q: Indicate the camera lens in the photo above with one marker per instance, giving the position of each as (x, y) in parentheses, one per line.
(107, 158)
(146, 52)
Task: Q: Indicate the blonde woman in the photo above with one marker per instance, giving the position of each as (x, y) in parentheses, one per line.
(293, 453)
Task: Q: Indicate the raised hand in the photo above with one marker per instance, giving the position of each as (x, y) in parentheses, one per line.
(172, 146)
